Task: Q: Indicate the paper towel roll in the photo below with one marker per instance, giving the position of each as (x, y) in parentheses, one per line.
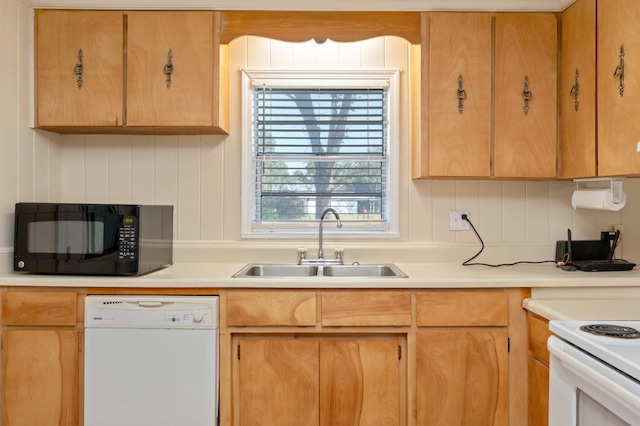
(596, 198)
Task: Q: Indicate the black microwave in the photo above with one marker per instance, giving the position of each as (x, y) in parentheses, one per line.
(92, 239)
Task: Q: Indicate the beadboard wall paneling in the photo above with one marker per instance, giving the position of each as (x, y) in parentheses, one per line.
(142, 170)
(12, 145)
(45, 167)
(490, 195)
(73, 175)
(120, 165)
(30, 160)
(212, 188)
(201, 175)
(183, 171)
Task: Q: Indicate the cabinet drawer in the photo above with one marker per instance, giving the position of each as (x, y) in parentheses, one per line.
(39, 308)
(366, 308)
(462, 308)
(538, 335)
(271, 308)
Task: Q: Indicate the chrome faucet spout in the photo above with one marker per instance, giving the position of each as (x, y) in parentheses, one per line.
(324, 213)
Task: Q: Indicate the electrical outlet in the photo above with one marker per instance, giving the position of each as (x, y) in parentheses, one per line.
(456, 223)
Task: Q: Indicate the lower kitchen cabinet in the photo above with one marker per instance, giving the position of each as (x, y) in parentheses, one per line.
(462, 368)
(306, 356)
(374, 357)
(538, 370)
(41, 348)
(462, 378)
(279, 382)
(318, 381)
(40, 377)
(360, 382)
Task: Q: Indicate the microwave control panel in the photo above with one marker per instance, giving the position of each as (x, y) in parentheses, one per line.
(127, 239)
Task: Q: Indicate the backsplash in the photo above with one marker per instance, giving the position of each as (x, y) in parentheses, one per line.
(201, 175)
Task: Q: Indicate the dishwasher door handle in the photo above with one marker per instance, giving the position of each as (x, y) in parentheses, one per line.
(150, 304)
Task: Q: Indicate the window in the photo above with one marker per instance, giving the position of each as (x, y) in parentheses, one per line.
(315, 140)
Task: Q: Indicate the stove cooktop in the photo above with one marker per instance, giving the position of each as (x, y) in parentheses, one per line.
(623, 353)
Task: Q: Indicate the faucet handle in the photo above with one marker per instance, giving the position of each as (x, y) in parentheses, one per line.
(339, 251)
(302, 254)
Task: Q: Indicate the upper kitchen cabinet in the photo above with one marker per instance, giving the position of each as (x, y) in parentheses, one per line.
(488, 96)
(618, 44)
(140, 72)
(459, 112)
(578, 91)
(173, 69)
(79, 69)
(525, 140)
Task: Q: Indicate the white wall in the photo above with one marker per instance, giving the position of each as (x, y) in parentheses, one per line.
(201, 175)
(29, 160)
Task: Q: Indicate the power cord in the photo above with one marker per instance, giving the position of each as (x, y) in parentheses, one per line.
(467, 262)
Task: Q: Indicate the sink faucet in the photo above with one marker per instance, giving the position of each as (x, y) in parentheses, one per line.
(324, 213)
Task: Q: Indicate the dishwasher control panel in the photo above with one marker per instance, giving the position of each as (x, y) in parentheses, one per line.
(193, 312)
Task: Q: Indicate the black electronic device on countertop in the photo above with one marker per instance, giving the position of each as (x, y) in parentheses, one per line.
(594, 258)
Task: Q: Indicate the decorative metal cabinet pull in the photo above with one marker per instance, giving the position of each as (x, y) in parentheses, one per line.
(574, 90)
(77, 70)
(619, 71)
(168, 68)
(526, 95)
(462, 94)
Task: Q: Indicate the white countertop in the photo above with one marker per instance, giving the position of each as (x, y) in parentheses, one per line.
(585, 308)
(421, 275)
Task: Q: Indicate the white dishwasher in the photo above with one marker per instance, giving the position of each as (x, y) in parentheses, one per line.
(151, 361)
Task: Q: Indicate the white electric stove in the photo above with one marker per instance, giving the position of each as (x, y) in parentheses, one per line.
(594, 374)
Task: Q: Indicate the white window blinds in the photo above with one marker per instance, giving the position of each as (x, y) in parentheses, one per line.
(315, 146)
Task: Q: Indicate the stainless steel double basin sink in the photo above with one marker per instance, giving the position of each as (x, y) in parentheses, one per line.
(263, 270)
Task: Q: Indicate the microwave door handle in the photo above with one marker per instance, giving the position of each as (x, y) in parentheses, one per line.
(593, 376)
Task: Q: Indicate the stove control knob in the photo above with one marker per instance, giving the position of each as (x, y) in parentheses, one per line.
(197, 317)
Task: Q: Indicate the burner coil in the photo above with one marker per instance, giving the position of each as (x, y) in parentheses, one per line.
(612, 330)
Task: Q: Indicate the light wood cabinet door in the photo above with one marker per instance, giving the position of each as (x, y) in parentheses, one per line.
(319, 381)
(279, 382)
(40, 377)
(538, 392)
(88, 41)
(459, 130)
(462, 378)
(578, 91)
(525, 141)
(359, 382)
(170, 68)
(618, 26)
(538, 370)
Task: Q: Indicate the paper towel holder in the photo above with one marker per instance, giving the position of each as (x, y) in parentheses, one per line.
(615, 185)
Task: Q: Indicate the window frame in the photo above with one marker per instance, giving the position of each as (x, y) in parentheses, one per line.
(306, 78)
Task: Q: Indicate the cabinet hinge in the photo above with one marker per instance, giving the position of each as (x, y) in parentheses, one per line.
(508, 344)
(399, 352)
(238, 351)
